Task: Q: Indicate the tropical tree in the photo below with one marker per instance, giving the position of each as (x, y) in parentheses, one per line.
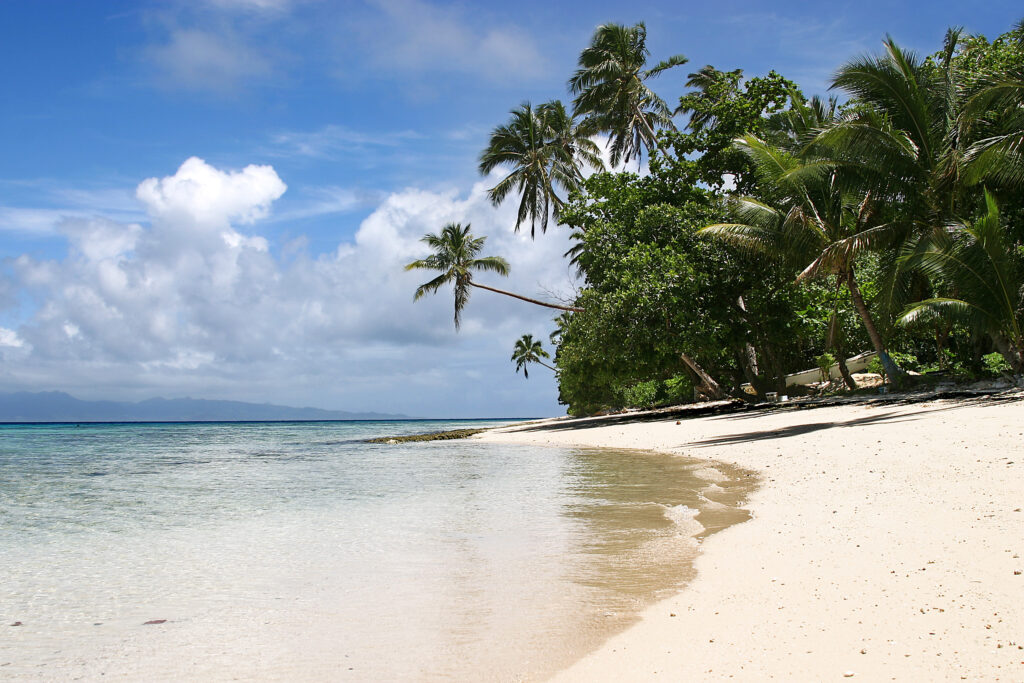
(455, 256)
(526, 351)
(979, 263)
(611, 91)
(998, 158)
(808, 219)
(546, 150)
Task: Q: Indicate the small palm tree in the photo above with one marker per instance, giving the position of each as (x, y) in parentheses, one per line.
(528, 351)
(611, 90)
(546, 150)
(455, 255)
(978, 262)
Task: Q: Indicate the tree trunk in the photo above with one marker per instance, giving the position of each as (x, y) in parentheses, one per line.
(526, 298)
(709, 387)
(941, 336)
(751, 352)
(891, 369)
(751, 378)
(1012, 353)
(845, 371)
(654, 136)
(834, 341)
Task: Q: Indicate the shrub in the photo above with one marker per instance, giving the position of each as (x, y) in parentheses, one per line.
(641, 395)
(825, 363)
(994, 364)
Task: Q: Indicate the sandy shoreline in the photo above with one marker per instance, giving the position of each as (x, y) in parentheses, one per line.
(887, 542)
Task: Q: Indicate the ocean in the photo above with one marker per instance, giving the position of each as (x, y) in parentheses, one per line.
(297, 551)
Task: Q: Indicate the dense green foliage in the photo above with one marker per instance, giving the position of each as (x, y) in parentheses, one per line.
(776, 232)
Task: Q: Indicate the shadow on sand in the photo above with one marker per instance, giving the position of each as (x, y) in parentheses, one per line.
(738, 410)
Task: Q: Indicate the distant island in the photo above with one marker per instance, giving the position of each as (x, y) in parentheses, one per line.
(57, 406)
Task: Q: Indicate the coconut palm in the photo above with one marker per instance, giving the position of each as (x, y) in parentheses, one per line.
(978, 261)
(455, 255)
(810, 222)
(527, 351)
(546, 150)
(998, 158)
(611, 91)
(902, 140)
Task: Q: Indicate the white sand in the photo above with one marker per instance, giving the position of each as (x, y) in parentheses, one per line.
(884, 546)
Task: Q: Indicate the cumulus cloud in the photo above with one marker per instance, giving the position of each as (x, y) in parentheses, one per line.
(196, 303)
(201, 195)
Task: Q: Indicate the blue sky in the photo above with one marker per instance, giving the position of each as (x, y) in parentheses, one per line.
(214, 199)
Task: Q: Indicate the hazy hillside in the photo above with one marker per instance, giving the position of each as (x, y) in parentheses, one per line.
(56, 406)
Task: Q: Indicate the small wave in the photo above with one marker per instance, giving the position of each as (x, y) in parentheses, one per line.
(681, 514)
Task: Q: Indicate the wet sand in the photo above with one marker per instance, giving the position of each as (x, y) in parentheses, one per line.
(887, 543)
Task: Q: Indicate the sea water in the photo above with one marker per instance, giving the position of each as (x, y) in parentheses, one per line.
(297, 551)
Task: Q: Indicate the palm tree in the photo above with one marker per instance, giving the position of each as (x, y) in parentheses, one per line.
(528, 351)
(811, 222)
(998, 158)
(546, 151)
(902, 141)
(455, 255)
(978, 261)
(611, 90)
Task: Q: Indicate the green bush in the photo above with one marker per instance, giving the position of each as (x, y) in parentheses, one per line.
(641, 395)
(994, 364)
(678, 389)
(825, 363)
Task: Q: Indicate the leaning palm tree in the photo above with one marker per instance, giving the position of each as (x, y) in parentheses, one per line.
(455, 255)
(979, 263)
(546, 150)
(611, 91)
(527, 351)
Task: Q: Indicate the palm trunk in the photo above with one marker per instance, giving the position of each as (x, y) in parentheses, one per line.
(540, 362)
(891, 369)
(526, 298)
(709, 387)
(835, 337)
(654, 136)
(749, 350)
(1013, 353)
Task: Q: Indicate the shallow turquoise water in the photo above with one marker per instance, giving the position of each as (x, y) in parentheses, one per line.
(295, 550)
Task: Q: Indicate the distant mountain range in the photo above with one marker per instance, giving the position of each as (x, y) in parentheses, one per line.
(56, 406)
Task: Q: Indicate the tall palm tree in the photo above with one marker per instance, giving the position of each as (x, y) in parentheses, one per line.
(455, 256)
(611, 91)
(526, 351)
(978, 261)
(546, 150)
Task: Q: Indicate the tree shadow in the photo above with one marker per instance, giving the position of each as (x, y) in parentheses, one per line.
(800, 429)
(739, 410)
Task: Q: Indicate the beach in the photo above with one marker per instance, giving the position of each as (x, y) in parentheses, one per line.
(886, 543)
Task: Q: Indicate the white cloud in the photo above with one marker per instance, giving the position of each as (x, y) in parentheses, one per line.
(30, 220)
(414, 36)
(196, 59)
(201, 195)
(333, 140)
(10, 338)
(192, 304)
